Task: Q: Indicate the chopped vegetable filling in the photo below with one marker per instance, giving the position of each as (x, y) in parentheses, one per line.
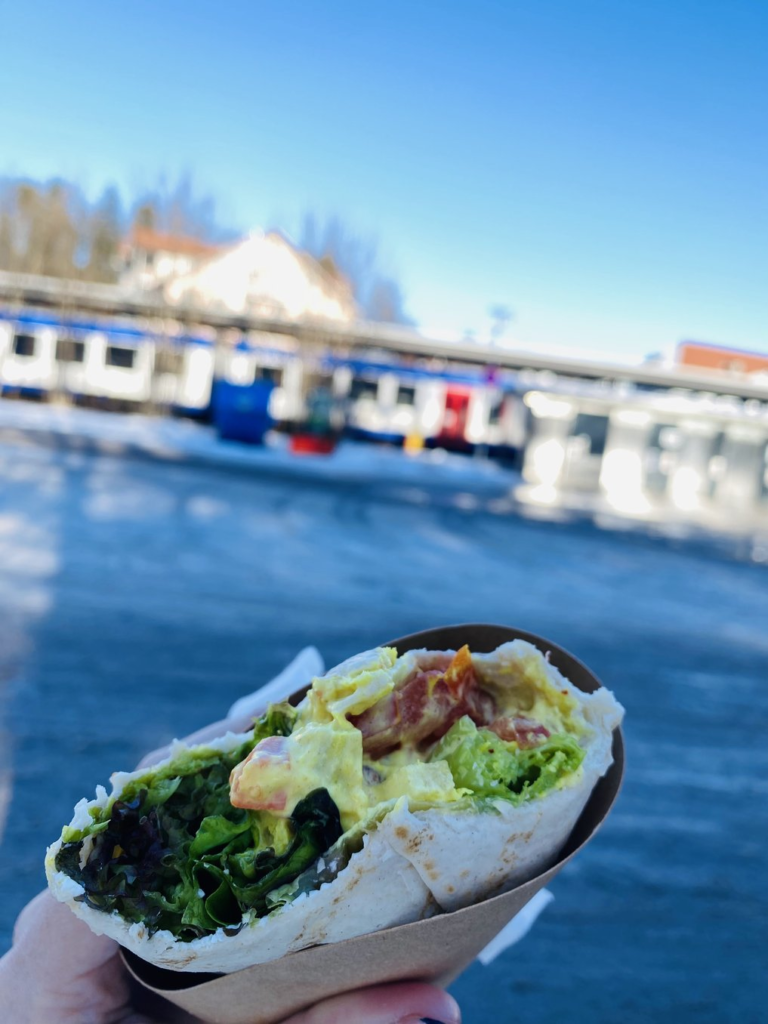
(211, 839)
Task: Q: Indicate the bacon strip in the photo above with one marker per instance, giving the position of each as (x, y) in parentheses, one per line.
(523, 731)
(424, 707)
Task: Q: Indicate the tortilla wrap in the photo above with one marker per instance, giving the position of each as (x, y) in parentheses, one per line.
(410, 866)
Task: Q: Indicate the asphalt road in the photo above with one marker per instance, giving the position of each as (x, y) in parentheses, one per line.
(139, 599)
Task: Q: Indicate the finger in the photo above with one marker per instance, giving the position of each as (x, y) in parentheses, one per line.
(384, 1004)
(82, 977)
(210, 732)
(46, 925)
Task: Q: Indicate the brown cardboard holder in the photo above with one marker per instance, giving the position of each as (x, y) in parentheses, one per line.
(435, 950)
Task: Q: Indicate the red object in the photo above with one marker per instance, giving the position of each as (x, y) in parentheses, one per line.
(522, 731)
(424, 707)
(454, 426)
(310, 444)
(717, 357)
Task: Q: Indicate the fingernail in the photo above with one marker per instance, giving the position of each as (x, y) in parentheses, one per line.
(421, 1020)
(447, 1013)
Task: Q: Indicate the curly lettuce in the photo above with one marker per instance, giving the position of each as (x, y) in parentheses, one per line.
(173, 853)
(487, 767)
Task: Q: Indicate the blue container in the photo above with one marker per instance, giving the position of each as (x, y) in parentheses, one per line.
(241, 413)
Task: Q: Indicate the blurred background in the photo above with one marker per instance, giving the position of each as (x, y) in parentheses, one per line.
(322, 325)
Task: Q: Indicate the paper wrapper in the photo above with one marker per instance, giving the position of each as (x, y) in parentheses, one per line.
(437, 949)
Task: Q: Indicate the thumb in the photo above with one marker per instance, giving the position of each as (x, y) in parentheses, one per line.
(68, 972)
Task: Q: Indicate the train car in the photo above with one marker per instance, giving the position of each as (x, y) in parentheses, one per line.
(271, 359)
(482, 415)
(497, 420)
(106, 362)
(28, 364)
(441, 408)
(393, 405)
(121, 363)
(48, 356)
(182, 374)
(118, 367)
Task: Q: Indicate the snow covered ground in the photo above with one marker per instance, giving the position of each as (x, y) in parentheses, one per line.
(464, 481)
(140, 597)
(181, 439)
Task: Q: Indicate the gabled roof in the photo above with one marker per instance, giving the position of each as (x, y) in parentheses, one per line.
(160, 241)
(337, 282)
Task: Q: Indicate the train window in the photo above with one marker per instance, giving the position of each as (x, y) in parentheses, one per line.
(406, 396)
(363, 389)
(70, 351)
(595, 428)
(119, 355)
(24, 345)
(168, 360)
(670, 438)
(494, 416)
(271, 373)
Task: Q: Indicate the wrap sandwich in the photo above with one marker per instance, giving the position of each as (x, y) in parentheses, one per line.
(400, 787)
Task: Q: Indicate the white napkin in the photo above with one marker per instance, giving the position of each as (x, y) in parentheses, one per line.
(517, 928)
(305, 666)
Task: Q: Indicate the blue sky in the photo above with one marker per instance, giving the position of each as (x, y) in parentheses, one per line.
(601, 166)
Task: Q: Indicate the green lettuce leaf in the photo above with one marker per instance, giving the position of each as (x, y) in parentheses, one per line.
(491, 768)
(217, 831)
(278, 720)
(173, 853)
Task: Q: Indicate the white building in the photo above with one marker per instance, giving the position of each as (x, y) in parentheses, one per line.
(263, 273)
(150, 259)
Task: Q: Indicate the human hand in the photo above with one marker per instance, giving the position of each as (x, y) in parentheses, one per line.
(59, 972)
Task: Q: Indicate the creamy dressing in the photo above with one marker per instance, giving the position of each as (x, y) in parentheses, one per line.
(326, 751)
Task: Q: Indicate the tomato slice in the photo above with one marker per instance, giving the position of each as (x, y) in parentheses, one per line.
(268, 753)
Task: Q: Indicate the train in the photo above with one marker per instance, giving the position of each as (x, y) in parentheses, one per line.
(460, 410)
(115, 364)
(125, 365)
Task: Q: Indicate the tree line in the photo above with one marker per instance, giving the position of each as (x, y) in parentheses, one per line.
(52, 228)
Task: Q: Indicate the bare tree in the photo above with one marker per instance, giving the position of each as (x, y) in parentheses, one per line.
(40, 227)
(51, 228)
(105, 232)
(344, 252)
(179, 209)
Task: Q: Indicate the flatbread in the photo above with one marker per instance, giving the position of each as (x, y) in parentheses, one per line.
(413, 864)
